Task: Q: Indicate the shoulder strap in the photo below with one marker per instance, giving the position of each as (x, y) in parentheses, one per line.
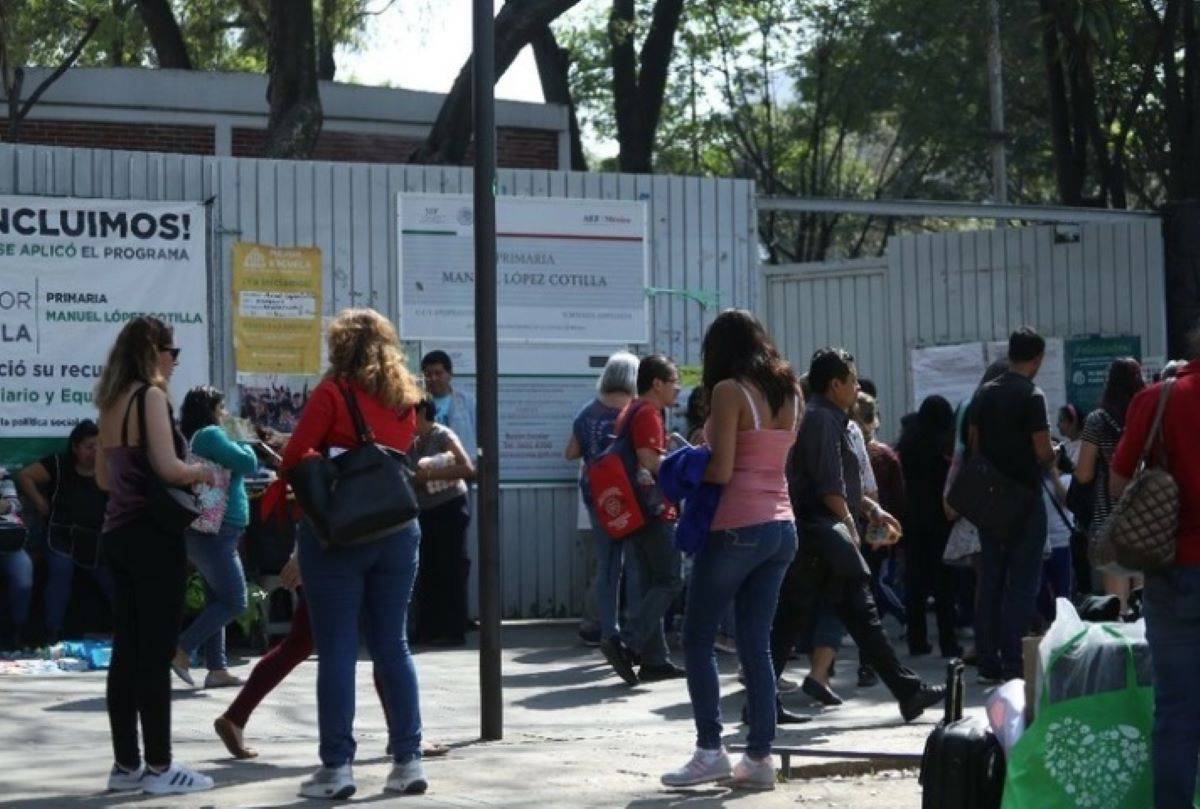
(753, 407)
(365, 434)
(627, 425)
(139, 397)
(1154, 437)
(1067, 521)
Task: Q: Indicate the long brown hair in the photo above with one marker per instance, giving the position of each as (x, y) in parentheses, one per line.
(364, 348)
(737, 346)
(133, 358)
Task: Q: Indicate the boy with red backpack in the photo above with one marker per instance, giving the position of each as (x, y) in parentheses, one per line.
(641, 427)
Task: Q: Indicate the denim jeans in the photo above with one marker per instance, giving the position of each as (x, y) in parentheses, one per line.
(611, 561)
(60, 577)
(1172, 610)
(1009, 577)
(658, 571)
(17, 570)
(215, 556)
(743, 567)
(1057, 581)
(373, 581)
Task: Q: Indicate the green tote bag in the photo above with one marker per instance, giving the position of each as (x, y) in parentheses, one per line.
(1090, 752)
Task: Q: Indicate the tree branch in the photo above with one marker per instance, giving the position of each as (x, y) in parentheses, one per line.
(165, 36)
(63, 67)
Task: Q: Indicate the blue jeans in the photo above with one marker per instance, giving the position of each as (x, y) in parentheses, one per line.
(216, 557)
(374, 581)
(1010, 574)
(611, 562)
(657, 563)
(17, 569)
(1057, 581)
(1172, 609)
(60, 576)
(744, 567)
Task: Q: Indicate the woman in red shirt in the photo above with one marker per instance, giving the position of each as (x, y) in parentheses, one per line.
(373, 580)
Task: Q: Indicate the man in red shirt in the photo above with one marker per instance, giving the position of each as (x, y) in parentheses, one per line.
(652, 547)
(1172, 596)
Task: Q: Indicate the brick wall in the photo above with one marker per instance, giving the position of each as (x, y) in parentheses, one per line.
(515, 148)
(142, 137)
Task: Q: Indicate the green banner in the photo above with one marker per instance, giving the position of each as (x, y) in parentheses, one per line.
(1088, 359)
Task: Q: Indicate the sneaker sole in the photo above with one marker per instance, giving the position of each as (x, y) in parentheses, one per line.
(417, 787)
(341, 795)
(183, 674)
(748, 786)
(621, 666)
(176, 790)
(714, 779)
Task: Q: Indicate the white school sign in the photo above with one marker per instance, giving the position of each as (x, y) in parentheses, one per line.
(568, 270)
(72, 273)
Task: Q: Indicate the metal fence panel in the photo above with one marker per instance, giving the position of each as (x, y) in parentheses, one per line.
(703, 238)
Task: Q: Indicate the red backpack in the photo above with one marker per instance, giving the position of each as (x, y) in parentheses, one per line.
(611, 479)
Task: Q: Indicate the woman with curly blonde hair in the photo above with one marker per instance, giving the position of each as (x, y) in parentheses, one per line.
(373, 580)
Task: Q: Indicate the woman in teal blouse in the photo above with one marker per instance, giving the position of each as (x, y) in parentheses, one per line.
(215, 556)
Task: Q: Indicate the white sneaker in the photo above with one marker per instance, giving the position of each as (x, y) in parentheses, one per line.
(174, 780)
(120, 780)
(408, 778)
(751, 774)
(336, 783)
(704, 767)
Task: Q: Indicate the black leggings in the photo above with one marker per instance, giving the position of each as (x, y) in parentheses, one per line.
(443, 572)
(149, 573)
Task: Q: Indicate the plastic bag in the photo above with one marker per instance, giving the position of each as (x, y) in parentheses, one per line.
(1093, 664)
(1006, 713)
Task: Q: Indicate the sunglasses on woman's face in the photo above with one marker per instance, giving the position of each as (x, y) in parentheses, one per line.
(174, 352)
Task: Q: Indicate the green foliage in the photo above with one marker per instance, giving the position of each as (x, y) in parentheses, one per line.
(195, 598)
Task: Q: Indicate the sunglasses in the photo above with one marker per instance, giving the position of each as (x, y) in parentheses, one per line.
(174, 352)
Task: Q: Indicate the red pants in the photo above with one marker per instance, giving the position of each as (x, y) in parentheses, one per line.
(276, 665)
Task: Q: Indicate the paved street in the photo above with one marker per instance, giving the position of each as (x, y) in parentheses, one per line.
(575, 736)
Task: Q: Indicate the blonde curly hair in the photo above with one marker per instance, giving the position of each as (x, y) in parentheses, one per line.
(364, 348)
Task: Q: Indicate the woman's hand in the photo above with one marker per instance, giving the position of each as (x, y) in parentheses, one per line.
(290, 575)
(421, 475)
(202, 473)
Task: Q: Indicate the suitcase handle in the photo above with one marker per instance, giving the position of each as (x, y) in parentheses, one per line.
(954, 690)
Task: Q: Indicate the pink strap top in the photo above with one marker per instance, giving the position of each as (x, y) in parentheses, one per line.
(758, 491)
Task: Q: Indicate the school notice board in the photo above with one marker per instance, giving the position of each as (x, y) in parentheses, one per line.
(536, 413)
(568, 270)
(73, 272)
(954, 371)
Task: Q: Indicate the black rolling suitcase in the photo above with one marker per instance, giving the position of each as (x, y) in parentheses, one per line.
(963, 763)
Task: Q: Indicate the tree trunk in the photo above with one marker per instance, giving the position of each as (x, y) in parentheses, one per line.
(518, 22)
(554, 66)
(638, 91)
(169, 46)
(292, 92)
(1070, 183)
(326, 66)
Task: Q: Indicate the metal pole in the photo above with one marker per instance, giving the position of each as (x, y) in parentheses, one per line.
(996, 99)
(483, 86)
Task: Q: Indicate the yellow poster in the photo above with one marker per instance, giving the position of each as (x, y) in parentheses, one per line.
(276, 309)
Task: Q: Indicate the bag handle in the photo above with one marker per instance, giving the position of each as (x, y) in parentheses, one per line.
(1130, 665)
(1154, 437)
(365, 434)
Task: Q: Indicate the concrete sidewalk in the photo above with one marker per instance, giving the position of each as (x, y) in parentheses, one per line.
(575, 736)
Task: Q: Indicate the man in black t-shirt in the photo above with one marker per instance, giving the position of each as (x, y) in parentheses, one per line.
(1009, 427)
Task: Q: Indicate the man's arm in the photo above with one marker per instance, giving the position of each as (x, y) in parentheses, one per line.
(1043, 448)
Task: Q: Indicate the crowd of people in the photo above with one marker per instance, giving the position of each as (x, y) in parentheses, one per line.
(776, 524)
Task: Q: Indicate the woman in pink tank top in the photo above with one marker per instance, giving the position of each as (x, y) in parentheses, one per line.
(751, 429)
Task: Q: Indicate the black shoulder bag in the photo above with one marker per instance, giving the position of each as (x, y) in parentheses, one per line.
(360, 496)
(172, 508)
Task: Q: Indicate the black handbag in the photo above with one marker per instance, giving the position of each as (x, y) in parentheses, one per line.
(171, 508)
(988, 498)
(359, 496)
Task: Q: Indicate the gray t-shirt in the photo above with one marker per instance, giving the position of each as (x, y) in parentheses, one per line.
(440, 440)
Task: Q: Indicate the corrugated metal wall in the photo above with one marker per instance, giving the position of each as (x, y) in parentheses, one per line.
(943, 288)
(703, 238)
